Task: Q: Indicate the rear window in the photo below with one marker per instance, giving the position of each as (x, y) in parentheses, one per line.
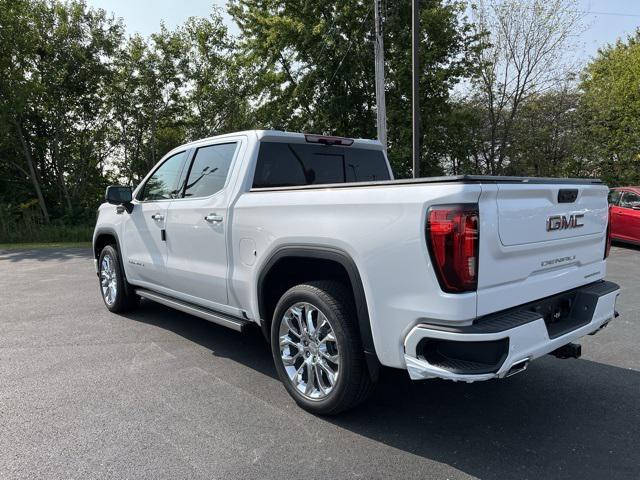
(297, 164)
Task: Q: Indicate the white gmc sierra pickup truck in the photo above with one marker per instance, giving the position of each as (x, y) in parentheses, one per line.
(345, 269)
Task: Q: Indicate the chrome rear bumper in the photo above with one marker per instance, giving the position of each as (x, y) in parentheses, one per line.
(506, 342)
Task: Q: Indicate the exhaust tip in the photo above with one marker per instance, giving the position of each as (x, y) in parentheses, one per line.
(519, 366)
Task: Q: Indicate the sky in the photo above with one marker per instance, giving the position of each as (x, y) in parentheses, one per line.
(606, 20)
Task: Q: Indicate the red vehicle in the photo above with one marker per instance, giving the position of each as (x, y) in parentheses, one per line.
(625, 214)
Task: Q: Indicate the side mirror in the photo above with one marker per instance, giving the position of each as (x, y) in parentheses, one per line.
(117, 195)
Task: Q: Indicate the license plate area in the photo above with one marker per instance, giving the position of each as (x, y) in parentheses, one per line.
(566, 312)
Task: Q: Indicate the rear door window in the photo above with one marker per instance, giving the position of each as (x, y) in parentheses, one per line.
(298, 164)
(209, 170)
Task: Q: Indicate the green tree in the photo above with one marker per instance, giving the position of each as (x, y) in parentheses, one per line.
(462, 138)
(18, 52)
(547, 136)
(611, 106)
(218, 90)
(147, 102)
(312, 68)
(178, 85)
(52, 100)
(523, 54)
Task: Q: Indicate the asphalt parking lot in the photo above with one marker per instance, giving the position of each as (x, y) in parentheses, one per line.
(159, 394)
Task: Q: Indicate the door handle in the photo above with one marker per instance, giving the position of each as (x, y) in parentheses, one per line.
(157, 217)
(213, 218)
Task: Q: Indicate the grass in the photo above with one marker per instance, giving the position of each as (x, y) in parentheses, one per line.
(39, 245)
(29, 235)
(25, 233)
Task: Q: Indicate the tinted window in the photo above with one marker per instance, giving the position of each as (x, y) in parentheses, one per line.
(162, 184)
(614, 196)
(630, 200)
(295, 164)
(209, 170)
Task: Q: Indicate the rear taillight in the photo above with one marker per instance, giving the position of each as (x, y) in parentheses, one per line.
(607, 246)
(452, 238)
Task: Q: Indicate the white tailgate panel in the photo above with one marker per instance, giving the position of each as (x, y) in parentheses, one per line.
(543, 263)
(524, 209)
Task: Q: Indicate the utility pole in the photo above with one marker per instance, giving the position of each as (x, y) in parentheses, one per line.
(415, 91)
(381, 106)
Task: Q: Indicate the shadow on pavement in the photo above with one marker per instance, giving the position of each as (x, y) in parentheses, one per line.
(249, 348)
(43, 255)
(560, 419)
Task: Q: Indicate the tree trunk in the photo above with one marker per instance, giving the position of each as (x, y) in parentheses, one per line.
(65, 192)
(32, 173)
(59, 170)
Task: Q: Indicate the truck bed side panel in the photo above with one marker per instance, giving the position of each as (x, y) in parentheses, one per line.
(381, 229)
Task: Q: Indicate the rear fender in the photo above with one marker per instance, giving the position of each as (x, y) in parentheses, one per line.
(335, 255)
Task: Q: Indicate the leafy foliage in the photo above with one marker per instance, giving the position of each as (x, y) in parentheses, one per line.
(314, 65)
(55, 73)
(82, 105)
(611, 109)
(523, 55)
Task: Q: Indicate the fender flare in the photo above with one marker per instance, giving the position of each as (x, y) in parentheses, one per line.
(344, 259)
(104, 231)
(111, 232)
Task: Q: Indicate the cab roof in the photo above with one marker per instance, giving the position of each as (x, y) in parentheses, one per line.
(292, 137)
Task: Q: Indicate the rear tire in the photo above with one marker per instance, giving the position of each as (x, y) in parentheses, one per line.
(322, 365)
(118, 295)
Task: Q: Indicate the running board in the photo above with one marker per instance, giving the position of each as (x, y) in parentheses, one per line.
(234, 323)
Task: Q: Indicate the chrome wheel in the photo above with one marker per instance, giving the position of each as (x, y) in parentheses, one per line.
(108, 280)
(309, 351)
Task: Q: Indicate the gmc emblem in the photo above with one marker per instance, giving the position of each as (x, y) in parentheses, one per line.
(561, 222)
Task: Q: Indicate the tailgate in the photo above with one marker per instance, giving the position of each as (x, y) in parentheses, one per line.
(564, 212)
(537, 240)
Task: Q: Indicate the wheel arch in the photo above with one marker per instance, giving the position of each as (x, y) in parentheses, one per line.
(102, 237)
(332, 258)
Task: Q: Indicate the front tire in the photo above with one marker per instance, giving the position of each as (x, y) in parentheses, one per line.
(117, 293)
(317, 349)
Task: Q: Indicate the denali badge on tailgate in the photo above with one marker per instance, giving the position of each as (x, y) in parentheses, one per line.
(555, 261)
(562, 222)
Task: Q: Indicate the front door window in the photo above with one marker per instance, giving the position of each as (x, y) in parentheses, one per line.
(163, 184)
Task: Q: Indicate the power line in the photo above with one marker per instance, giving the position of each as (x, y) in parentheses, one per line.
(348, 49)
(613, 14)
(326, 35)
